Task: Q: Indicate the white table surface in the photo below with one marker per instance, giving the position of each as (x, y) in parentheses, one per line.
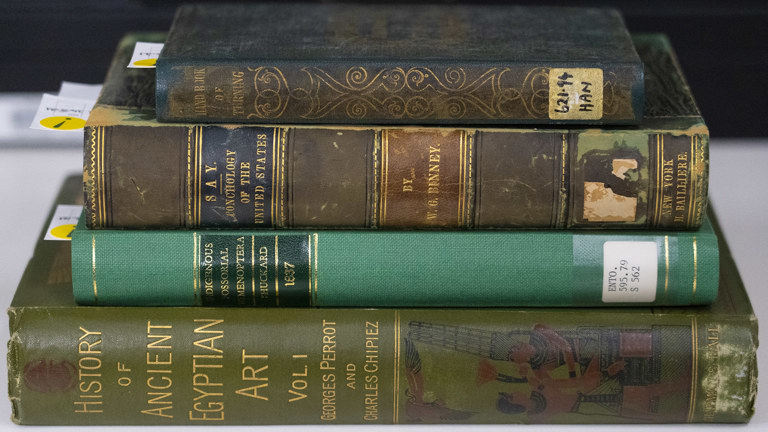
(31, 173)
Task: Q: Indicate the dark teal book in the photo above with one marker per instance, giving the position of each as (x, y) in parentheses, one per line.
(404, 64)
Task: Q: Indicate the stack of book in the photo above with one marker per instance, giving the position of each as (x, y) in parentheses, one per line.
(450, 214)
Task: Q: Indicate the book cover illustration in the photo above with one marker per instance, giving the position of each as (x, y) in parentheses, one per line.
(546, 375)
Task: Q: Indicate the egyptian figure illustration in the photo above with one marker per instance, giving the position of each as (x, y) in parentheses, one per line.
(549, 396)
(585, 370)
(611, 184)
(417, 408)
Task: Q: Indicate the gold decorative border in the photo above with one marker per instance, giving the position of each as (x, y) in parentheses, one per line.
(253, 271)
(374, 204)
(463, 149)
(198, 172)
(695, 267)
(194, 169)
(469, 182)
(693, 177)
(694, 368)
(313, 274)
(309, 268)
(102, 178)
(666, 261)
(97, 178)
(698, 171)
(281, 142)
(273, 206)
(384, 175)
(196, 266)
(90, 171)
(659, 179)
(396, 372)
(702, 174)
(277, 273)
(561, 215)
(190, 180)
(93, 269)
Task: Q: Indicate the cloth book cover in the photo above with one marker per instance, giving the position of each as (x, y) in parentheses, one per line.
(406, 64)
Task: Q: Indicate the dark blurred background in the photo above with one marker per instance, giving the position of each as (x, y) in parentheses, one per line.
(721, 45)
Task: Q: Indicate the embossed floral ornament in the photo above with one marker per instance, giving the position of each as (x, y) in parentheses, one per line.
(400, 93)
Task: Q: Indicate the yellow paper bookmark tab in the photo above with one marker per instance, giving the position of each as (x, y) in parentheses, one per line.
(63, 222)
(145, 55)
(62, 113)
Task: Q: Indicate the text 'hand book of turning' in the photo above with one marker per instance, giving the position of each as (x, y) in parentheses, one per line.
(406, 64)
(95, 365)
(140, 173)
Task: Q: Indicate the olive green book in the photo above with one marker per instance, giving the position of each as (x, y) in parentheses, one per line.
(140, 173)
(94, 365)
(405, 63)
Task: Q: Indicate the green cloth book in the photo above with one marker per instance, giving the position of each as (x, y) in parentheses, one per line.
(394, 268)
(140, 173)
(95, 365)
(406, 64)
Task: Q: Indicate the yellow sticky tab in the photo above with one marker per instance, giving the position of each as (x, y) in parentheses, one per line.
(63, 222)
(63, 232)
(62, 123)
(145, 63)
(145, 54)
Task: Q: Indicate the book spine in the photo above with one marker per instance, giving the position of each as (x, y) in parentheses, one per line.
(334, 93)
(393, 268)
(207, 366)
(287, 177)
